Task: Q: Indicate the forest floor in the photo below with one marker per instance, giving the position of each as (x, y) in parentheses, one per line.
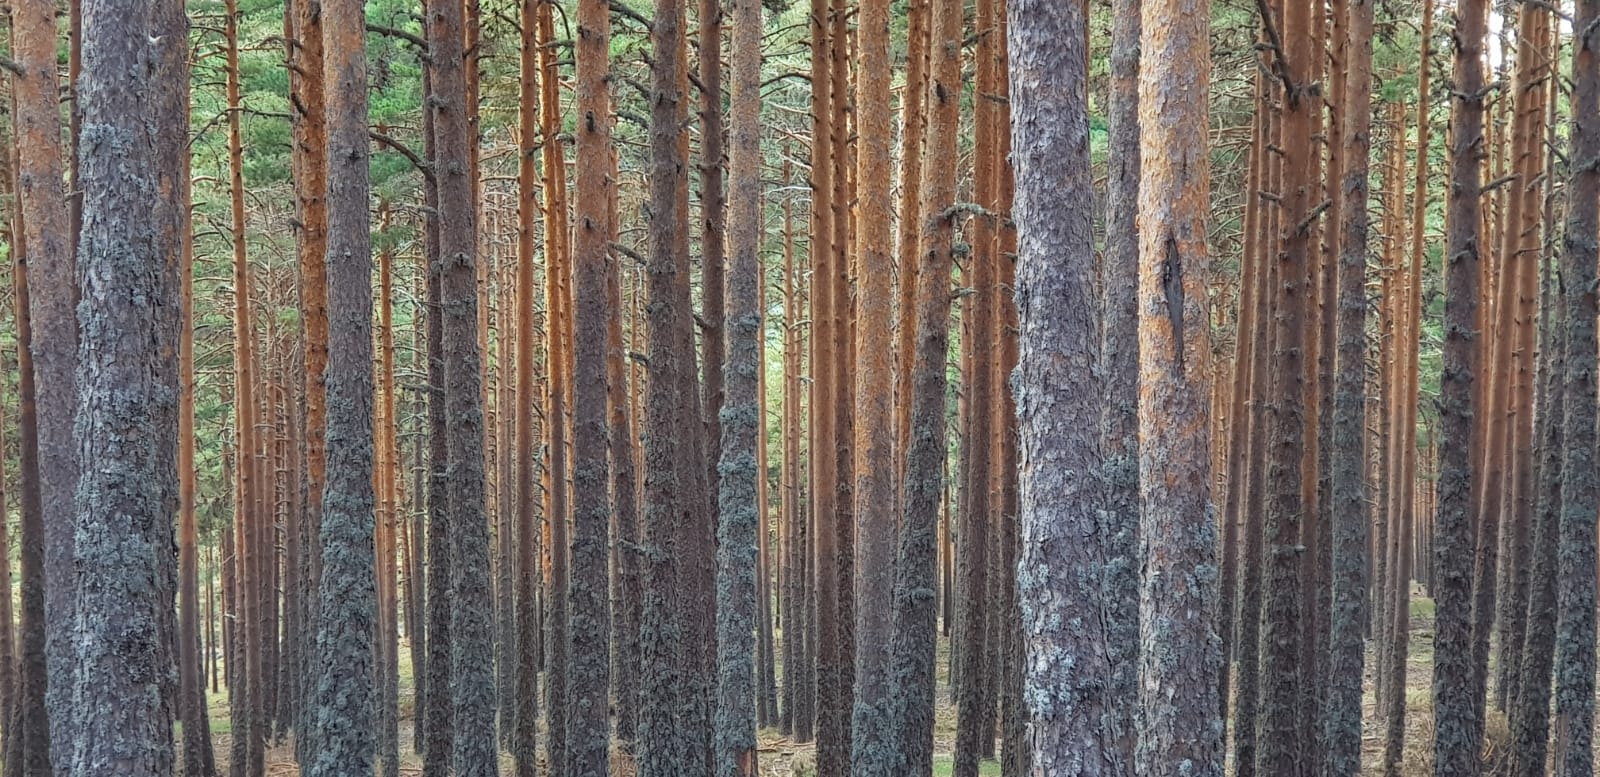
(780, 756)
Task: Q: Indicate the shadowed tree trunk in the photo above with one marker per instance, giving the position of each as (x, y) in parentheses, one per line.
(529, 430)
(1573, 724)
(471, 680)
(1457, 732)
(673, 715)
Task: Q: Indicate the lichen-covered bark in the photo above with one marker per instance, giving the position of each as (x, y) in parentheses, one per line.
(914, 634)
(589, 615)
(1179, 722)
(673, 721)
(1066, 557)
(1457, 732)
(471, 680)
(1573, 724)
(742, 425)
(343, 717)
(53, 352)
(1119, 363)
(127, 392)
(1349, 516)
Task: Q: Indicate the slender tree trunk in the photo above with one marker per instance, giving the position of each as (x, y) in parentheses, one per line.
(1580, 486)
(1280, 738)
(1119, 363)
(738, 507)
(1457, 732)
(53, 355)
(387, 456)
(437, 709)
(1348, 621)
(1530, 709)
(529, 430)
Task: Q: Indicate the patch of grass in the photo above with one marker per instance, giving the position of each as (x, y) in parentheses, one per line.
(944, 764)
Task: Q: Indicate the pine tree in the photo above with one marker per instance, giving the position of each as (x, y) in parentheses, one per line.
(343, 716)
(1457, 733)
(127, 390)
(1573, 722)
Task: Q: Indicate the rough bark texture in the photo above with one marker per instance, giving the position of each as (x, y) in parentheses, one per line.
(873, 753)
(127, 391)
(1530, 709)
(1572, 728)
(53, 352)
(436, 705)
(1348, 622)
(742, 425)
(1066, 556)
(1279, 736)
(673, 721)
(1457, 732)
(343, 718)
(311, 186)
(589, 625)
(1180, 728)
(471, 681)
(1119, 363)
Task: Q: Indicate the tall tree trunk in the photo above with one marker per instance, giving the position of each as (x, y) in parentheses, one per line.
(471, 604)
(830, 687)
(311, 185)
(714, 217)
(1457, 732)
(738, 503)
(589, 626)
(437, 704)
(198, 758)
(343, 718)
(1280, 741)
(1119, 363)
(673, 720)
(53, 353)
(1180, 732)
(127, 390)
(246, 697)
(1068, 668)
(387, 460)
(874, 488)
(1348, 621)
(529, 430)
(28, 749)
(1530, 709)
(1573, 728)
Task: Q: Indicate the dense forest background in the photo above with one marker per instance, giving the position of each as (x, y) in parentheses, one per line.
(871, 387)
